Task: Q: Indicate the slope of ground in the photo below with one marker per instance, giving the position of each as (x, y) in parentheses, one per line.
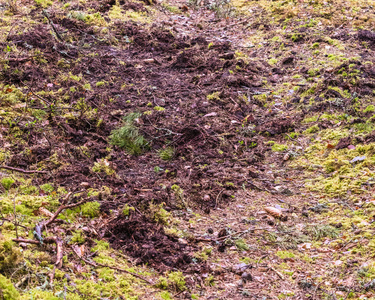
(143, 144)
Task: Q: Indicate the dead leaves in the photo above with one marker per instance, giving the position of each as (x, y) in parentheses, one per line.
(276, 213)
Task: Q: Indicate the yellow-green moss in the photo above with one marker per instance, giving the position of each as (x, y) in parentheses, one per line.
(8, 291)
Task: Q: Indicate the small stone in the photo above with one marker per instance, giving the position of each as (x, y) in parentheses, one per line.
(240, 268)
(85, 185)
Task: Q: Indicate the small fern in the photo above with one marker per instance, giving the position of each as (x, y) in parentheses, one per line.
(128, 136)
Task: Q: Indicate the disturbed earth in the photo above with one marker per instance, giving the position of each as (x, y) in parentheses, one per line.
(223, 150)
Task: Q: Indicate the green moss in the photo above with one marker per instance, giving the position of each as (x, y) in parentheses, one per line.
(100, 246)
(321, 231)
(177, 280)
(78, 237)
(241, 245)
(126, 210)
(7, 182)
(285, 254)
(159, 108)
(370, 108)
(214, 96)
(103, 165)
(279, 147)
(312, 129)
(44, 3)
(204, 254)
(47, 188)
(159, 214)
(8, 291)
(313, 72)
(100, 83)
(272, 61)
(90, 209)
(106, 274)
(166, 295)
(10, 256)
(166, 153)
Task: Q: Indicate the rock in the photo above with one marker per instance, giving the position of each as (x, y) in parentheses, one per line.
(241, 268)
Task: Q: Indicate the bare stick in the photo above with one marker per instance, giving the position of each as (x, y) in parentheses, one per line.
(46, 240)
(53, 26)
(277, 272)
(114, 268)
(61, 208)
(22, 170)
(230, 235)
(15, 215)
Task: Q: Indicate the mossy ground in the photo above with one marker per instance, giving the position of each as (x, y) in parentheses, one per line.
(312, 86)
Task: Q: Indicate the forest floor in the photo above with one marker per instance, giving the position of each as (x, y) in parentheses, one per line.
(187, 150)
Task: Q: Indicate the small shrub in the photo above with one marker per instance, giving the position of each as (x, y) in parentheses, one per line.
(128, 136)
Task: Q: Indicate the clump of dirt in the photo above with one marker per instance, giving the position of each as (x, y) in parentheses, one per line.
(148, 243)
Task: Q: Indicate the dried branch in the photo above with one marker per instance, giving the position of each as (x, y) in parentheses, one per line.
(95, 264)
(61, 208)
(53, 26)
(46, 240)
(230, 235)
(22, 170)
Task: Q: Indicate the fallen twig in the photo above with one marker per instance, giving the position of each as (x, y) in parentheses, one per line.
(22, 170)
(60, 209)
(46, 240)
(230, 235)
(217, 198)
(53, 26)
(96, 264)
(277, 272)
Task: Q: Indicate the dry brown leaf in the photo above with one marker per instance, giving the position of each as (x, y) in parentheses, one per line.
(45, 212)
(274, 212)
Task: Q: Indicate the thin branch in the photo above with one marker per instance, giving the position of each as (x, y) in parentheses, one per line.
(15, 216)
(60, 209)
(230, 235)
(22, 170)
(46, 240)
(53, 26)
